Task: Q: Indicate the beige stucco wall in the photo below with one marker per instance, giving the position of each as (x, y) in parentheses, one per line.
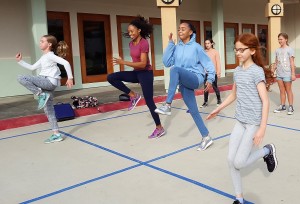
(15, 33)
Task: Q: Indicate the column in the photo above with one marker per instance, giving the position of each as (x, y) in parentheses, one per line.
(218, 31)
(169, 25)
(274, 12)
(38, 24)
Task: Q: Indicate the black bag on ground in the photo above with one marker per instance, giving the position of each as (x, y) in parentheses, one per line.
(64, 111)
(124, 97)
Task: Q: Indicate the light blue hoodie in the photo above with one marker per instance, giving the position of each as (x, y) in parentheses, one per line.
(190, 56)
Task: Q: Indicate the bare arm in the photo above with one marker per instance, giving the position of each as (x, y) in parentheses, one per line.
(292, 62)
(261, 87)
(136, 65)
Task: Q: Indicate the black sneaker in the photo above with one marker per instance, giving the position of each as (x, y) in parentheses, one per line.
(204, 105)
(219, 102)
(236, 202)
(271, 159)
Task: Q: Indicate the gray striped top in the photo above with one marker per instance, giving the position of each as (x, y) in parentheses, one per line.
(249, 104)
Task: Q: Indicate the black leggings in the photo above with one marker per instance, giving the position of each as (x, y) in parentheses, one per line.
(215, 87)
(145, 78)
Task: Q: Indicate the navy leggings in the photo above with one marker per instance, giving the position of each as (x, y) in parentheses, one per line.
(145, 78)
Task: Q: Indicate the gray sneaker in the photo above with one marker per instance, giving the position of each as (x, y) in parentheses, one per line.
(205, 143)
(164, 110)
(290, 110)
(280, 108)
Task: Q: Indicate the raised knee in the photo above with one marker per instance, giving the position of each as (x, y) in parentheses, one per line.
(110, 77)
(21, 78)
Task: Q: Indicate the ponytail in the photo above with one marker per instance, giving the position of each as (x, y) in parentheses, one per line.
(61, 48)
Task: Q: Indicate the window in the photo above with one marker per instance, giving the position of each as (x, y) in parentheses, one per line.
(95, 47)
(59, 26)
(156, 47)
(231, 32)
(197, 26)
(262, 34)
(207, 30)
(248, 28)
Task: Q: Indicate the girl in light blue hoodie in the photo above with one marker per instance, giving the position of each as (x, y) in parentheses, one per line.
(189, 63)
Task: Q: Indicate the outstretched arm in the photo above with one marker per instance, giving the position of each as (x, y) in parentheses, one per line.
(224, 104)
(26, 65)
(136, 65)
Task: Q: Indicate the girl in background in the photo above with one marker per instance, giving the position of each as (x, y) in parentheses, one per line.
(251, 81)
(215, 58)
(48, 79)
(188, 62)
(285, 73)
(138, 30)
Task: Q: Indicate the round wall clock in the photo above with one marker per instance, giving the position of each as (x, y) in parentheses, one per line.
(167, 1)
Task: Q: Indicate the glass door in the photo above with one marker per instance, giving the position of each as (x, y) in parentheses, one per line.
(156, 47)
(95, 47)
(231, 32)
(262, 33)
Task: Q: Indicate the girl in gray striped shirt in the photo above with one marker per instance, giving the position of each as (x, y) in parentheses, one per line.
(251, 81)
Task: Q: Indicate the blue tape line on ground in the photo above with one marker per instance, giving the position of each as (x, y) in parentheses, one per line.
(93, 121)
(140, 164)
(80, 184)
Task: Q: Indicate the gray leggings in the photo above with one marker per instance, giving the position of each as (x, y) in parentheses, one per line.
(37, 85)
(242, 152)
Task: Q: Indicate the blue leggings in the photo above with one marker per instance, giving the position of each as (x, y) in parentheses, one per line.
(145, 78)
(187, 82)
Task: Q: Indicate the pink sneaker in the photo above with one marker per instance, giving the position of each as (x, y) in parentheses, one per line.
(157, 133)
(134, 101)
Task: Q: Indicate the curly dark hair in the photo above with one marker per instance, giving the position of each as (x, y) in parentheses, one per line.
(141, 23)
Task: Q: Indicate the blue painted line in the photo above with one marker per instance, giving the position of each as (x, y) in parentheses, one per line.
(103, 148)
(140, 163)
(81, 184)
(228, 117)
(100, 120)
(76, 124)
(184, 149)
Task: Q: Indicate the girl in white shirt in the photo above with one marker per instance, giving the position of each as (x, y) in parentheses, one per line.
(48, 79)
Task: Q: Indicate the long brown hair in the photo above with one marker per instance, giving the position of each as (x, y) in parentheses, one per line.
(251, 41)
(61, 48)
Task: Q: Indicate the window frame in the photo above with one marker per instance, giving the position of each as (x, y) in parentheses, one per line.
(65, 17)
(81, 17)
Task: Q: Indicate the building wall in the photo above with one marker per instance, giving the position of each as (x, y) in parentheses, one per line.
(290, 25)
(16, 36)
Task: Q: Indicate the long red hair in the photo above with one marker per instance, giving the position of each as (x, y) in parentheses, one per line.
(251, 41)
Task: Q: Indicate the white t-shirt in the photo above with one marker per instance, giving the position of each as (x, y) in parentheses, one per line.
(48, 65)
(283, 56)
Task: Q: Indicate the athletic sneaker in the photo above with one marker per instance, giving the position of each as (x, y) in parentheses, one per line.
(280, 108)
(205, 143)
(157, 133)
(204, 105)
(164, 109)
(237, 202)
(219, 102)
(134, 101)
(290, 110)
(54, 138)
(42, 100)
(271, 159)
